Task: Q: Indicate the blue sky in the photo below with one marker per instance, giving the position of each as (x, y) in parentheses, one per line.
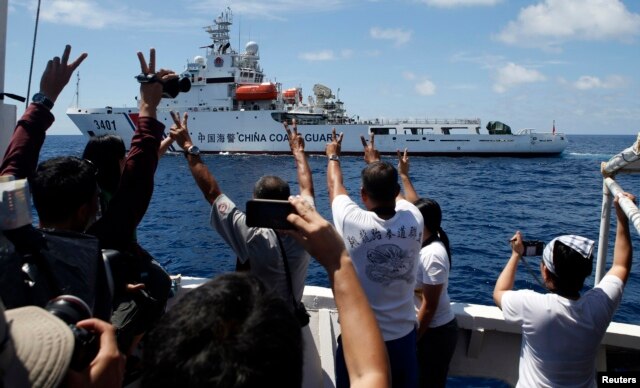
(525, 63)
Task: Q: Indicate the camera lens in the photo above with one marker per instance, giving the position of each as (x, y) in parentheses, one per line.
(72, 310)
(173, 87)
(69, 308)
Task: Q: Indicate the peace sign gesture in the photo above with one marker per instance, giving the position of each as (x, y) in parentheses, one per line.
(371, 154)
(334, 147)
(57, 73)
(296, 141)
(151, 92)
(403, 162)
(179, 130)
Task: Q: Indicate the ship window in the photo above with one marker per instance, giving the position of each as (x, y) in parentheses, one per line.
(381, 131)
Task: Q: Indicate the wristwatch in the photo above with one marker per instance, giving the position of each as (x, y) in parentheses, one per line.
(334, 157)
(193, 150)
(40, 98)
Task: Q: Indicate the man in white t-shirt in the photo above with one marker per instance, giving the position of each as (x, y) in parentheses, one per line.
(561, 330)
(384, 243)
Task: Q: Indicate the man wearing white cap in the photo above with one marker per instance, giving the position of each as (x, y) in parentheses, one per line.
(561, 330)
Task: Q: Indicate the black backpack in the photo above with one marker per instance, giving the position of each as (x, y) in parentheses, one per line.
(44, 264)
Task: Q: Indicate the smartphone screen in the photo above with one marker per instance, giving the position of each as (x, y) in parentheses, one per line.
(269, 213)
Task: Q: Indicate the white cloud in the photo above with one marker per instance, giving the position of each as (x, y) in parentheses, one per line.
(397, 35)
(408, 76)
(512, 75)
(346, 53)
(426, 88)
(326, 55)
(322, 55)
(550, 23)
(587, 82)
(460, 3)
(272, 9)
(91, 14)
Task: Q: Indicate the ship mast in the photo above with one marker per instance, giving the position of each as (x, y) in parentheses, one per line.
(220, 32)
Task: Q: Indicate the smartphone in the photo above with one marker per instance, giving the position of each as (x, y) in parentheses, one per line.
(269, 213)
(533, 248)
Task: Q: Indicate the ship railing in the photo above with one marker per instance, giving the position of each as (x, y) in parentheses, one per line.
(626, 162)
(422, 121)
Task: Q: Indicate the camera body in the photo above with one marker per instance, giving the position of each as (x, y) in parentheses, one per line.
(269, 213)
(72, 310)
(533, 248)
(170, 88)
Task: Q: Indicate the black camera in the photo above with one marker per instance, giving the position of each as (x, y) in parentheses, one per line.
(533, 248)
(269, 213)
(72, 310)
(170, 88)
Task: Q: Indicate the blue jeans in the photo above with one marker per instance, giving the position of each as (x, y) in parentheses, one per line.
(402, 358)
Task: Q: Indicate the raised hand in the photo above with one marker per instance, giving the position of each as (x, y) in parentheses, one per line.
(179, 130)
(516, 243)
(403, 162)
(58, 72)
(371, 154)
(151, 92)
(334, 147)
(296, 141)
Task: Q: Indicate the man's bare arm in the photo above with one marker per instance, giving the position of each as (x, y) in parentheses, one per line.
(296, 143)
(622, 251)
(335, 183)
(201, 174)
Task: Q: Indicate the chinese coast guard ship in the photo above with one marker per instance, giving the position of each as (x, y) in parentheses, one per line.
(233, 109)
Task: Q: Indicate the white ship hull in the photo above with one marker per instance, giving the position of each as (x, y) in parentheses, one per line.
(257, 132)
(233, 109)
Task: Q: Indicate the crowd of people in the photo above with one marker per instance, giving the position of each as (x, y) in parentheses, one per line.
(388, 263)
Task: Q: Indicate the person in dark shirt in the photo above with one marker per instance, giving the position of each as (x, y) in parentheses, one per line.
(64, 189)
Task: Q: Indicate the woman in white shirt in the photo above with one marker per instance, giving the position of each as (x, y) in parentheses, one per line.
(438, 329)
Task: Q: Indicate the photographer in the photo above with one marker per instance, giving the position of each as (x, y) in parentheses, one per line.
(38, 349)
(555, 351)
(65, 195)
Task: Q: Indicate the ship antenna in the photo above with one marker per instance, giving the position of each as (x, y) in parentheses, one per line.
(33, 49)
(78, 89)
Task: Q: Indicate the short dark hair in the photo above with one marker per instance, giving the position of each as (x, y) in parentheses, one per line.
(229, 332)
(105, 152)
(271, 187)
(571, 270)
(380, 181)
(60, 186)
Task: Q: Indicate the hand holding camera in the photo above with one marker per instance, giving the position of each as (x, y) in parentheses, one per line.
(72, 310)
(526, 247)
(152, 84)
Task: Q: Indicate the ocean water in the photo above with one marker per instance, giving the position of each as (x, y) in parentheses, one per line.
(484, 201)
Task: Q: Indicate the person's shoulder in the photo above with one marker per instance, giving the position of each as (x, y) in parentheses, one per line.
(609, 283)
(342, 200)
(436, 248)
(222, 205)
